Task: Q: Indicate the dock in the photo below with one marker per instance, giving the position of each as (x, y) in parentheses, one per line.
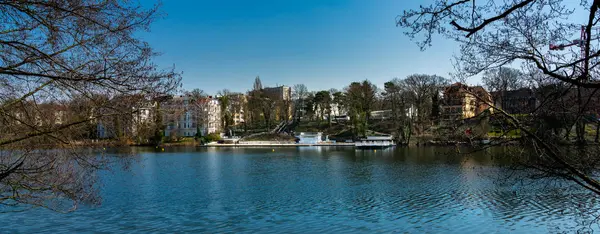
(264, 144)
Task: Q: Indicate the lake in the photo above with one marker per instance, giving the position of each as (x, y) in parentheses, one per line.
(316, 190)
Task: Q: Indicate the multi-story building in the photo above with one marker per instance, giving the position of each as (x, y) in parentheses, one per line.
(236, 107)
(334, 110)
(520, 101)
(282, 95)
(131, 116)
(238, 118)
(462, 102)
(185, 116)
(179, 116)
(49, 114)
(209, 115)
(143, 115)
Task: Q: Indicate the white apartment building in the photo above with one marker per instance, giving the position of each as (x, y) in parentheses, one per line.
(184, 116)
(178, 116)
(210, 116)
(143, 115)
(334, 111)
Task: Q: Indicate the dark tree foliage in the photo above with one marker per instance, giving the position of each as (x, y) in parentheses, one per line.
(361, 98)
(323, 103)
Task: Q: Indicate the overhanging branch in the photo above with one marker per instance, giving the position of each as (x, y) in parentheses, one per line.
(473, 30)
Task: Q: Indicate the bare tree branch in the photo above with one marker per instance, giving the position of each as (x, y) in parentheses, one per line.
(473, 30)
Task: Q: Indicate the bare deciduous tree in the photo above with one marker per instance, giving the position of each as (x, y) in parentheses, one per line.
(421, 90)
(84, 55)
(540, 34)
(502, 79)
(299, 94)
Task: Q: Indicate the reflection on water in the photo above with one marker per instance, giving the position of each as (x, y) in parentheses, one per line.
(318, 189)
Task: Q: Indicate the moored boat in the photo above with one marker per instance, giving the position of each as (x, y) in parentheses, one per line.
(374, 142)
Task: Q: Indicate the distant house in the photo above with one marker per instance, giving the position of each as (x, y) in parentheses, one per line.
(279, 93)
(143, 114)
(341, 118)
(334, 111)
(381, 114)
(282, 95)
(209, 119)
(520, 101)
(461, 101)
(179, 116)
(184, 116)
(236, 103)
(389, 114)
(48, 114)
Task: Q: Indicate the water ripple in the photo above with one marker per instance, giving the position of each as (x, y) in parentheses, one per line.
(313, 191)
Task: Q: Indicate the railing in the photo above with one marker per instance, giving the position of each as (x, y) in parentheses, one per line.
(374, 143)
(266, 143)
(278, 127)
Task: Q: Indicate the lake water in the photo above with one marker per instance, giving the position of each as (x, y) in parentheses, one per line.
(315, 190)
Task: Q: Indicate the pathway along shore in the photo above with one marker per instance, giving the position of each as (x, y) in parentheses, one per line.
(265, 144)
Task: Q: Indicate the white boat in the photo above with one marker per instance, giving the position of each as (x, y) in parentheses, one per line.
(374, 142)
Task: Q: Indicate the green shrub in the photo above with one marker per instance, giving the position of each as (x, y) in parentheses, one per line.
(210, 138)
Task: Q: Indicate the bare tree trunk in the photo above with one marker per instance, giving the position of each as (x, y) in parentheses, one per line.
(580, 124)
(268, 123)
(597, 131)
(408, 136)
(580, 130)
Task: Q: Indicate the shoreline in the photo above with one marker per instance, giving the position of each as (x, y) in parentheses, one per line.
(276, 145)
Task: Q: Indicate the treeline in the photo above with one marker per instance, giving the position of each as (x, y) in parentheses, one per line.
(267, 105)
(82, 118)
(413, 104)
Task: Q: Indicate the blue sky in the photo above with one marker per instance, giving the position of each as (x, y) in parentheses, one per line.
(321, 43)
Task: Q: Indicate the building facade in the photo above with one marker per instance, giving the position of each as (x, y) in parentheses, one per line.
(462, 102)
(209, 114)
(179, 117)
(282, 95)
(185, 116)
(237, 103)
(143, 116)
(520, 101)
(334, 110)
(279, 93)
(381, 114)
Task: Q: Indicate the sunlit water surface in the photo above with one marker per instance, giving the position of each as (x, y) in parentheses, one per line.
(315, 190)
